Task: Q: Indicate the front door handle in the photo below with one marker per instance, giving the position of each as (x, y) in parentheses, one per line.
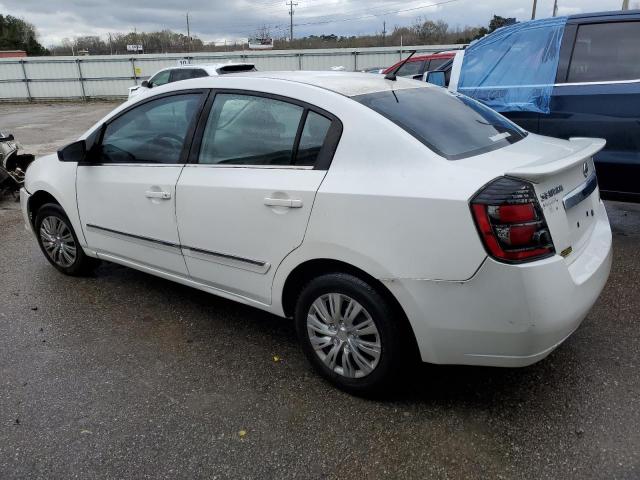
(283, 202)
(157, 194)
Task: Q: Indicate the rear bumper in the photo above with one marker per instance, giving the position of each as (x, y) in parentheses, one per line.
(507, 315)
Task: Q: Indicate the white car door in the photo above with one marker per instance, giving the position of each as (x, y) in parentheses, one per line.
(126, 189)
(244, 200)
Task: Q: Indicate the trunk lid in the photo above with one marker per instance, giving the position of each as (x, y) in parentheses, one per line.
(563, 176)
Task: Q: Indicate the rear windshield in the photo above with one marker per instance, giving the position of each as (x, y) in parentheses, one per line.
(452, 125)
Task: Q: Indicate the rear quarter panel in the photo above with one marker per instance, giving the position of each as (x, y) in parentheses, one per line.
(391, 204)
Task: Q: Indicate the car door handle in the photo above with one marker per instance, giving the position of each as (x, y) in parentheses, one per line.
(283, 202)
(157, 194)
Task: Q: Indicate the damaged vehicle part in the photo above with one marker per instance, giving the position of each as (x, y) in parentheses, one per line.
(13, 165)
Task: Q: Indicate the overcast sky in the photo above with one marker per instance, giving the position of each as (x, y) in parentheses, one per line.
(215, 20)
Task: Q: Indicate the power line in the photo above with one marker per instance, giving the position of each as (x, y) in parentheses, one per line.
(390, 12)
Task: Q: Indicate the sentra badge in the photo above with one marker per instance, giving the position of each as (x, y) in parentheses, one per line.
(551, 192)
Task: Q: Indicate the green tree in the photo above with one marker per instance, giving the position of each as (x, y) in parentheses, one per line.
(16, 34)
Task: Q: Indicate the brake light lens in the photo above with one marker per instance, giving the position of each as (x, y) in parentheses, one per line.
(510, 221)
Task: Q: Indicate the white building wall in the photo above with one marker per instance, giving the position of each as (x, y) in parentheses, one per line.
(109, 76)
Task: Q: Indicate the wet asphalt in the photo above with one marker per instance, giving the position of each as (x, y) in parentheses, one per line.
(124, 375)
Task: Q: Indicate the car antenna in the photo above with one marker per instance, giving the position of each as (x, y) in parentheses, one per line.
(392, 74)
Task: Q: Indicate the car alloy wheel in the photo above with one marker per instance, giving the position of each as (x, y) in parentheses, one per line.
(344, 335)
(58, 242)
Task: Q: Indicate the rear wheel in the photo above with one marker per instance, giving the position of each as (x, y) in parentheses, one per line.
(59, 242)
(349, 332)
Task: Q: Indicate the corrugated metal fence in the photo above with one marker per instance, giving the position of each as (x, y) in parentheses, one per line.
(109, 76)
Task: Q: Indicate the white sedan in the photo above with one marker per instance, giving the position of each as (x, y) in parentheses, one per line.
(386, 217)
(186, 72)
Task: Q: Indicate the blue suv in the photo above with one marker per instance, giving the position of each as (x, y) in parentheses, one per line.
(593, 89)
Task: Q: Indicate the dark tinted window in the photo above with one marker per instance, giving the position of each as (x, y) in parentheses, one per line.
(312, 138)
(437, 62)
(410, 68)
(250, 130)
(154, 132)
(605, 52)
(453, 126)
(187, 73)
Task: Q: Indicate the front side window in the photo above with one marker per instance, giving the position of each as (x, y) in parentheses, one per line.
(153, 132)
(250, 130)
(453, 126)
(606, 52)
(160, 78)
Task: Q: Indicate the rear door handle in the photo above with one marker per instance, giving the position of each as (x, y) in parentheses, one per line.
(157, 194)
(283, 202)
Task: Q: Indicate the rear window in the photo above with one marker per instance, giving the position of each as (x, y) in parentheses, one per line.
(452, 125)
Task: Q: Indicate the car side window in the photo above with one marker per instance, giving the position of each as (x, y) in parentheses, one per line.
(153, 132)
(160, 78)
(187, 73)
(436, 63)
(410, 68)
(606, 52)
(312, 139)
(250, 130)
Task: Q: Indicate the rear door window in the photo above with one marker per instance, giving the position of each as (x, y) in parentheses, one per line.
(452, 125)
(250, 130)
(312, 138)
(606, 52)
(187, 73)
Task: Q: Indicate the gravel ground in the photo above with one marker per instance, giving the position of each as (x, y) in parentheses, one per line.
(124, 375)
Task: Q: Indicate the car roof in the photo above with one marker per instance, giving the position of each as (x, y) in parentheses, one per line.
(345, 83)
(595, 15)
(209, 67)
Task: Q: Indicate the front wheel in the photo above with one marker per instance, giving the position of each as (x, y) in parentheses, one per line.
(349, 333)
(59, 242)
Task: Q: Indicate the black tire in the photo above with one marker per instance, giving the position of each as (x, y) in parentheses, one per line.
(379, 310)
(82, 264)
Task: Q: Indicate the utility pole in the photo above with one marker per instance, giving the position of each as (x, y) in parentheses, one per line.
(188, 34)
(625, 4)
(291, 5)
(555, 8)
(533, 10)
(384, 32)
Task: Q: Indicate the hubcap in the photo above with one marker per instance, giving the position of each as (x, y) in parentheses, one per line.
(343, 335)
(57, 241)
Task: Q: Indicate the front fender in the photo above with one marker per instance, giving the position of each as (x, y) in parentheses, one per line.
(58, 179)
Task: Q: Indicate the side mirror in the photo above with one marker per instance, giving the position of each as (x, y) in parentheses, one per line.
(6, 137)
(74, 152)
(145, 84)
(417, 76)
(436, 77)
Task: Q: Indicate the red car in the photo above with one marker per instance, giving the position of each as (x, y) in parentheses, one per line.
(419, 64)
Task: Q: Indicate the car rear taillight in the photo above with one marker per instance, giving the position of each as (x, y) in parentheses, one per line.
(510, 221)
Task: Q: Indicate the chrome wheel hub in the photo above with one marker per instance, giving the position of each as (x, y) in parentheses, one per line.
(343, 335)
(58, 241)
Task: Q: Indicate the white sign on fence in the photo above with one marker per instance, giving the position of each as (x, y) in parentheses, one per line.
(134, 48)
